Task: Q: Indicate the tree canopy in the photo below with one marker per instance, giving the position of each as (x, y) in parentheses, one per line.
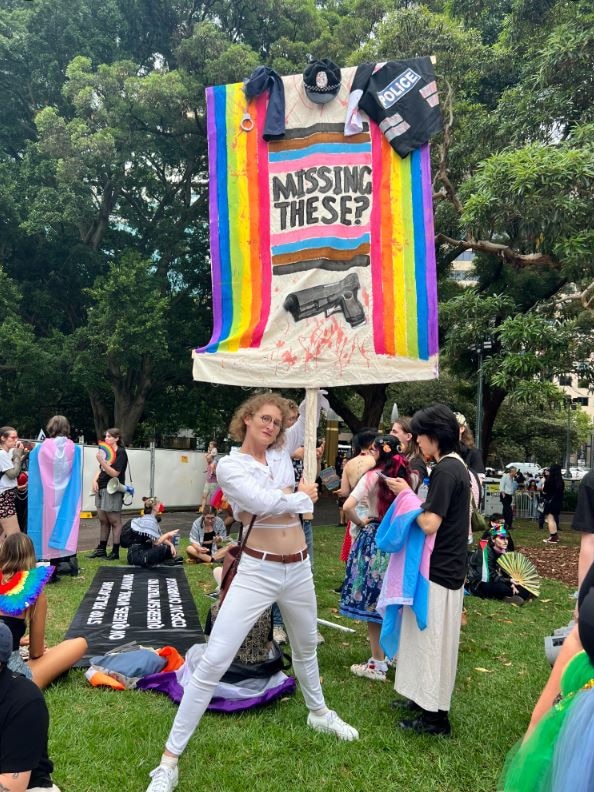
(104, 271)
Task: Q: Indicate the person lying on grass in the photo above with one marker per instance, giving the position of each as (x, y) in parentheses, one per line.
(19, 613)
(149, 546)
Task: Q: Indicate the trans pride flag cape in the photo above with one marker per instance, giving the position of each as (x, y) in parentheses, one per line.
(406, 581)
(322, 248)
(55, 490)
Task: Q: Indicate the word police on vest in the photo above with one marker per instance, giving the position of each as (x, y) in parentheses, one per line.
(114, 485)
(400, 86)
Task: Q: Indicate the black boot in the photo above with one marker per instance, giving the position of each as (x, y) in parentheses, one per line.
(100, 551)
(433, 723)
(115, 553)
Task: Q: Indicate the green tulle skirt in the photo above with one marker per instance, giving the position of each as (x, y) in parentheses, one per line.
(529, 765)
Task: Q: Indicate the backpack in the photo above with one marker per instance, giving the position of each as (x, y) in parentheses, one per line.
(127, 537)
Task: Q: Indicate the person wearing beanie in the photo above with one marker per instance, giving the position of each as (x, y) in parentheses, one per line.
(24, 722)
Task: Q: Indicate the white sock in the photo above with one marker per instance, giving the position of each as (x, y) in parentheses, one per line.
(321, 712)
(169, 761)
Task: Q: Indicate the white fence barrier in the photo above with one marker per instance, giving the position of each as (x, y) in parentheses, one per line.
(175, 476)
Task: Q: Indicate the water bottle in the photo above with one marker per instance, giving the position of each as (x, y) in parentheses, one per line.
(423, 489)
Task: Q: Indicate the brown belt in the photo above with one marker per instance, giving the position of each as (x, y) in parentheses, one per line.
(292, 558)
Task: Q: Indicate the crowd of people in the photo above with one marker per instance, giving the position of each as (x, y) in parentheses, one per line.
(423, 476)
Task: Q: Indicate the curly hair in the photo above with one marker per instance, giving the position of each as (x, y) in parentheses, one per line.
(237, 427)
(17, 554)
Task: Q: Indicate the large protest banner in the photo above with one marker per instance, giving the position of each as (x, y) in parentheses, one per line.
(322, 248)
(153, 607)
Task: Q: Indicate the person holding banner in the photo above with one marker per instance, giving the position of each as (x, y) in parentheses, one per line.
(109, 505)
(258, 482)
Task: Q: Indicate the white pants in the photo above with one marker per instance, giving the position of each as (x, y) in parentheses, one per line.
(256, 586)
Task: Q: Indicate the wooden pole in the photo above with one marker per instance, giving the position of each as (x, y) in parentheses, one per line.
(310, 463)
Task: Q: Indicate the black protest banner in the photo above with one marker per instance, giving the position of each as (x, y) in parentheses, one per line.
(153, 607)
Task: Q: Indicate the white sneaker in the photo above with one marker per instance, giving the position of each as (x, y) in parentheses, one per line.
(279, 634)
(371, 670)
(330, 723)
(320, 638)
(164, 779)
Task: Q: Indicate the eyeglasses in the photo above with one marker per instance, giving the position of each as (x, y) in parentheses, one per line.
(268, 419)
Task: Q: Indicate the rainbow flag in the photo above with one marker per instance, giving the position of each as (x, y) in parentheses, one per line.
(322, 249)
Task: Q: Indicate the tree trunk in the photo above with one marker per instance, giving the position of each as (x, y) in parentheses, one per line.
(492, 401)
(101, 417)
(130, 390)
(374, 400)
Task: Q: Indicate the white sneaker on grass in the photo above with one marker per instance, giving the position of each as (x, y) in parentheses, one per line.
(164, 779)
(372, 669)
(330, 723)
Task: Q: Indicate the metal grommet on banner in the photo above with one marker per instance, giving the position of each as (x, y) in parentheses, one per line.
(247, 122)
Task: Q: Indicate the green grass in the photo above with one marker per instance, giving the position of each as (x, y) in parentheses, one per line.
(103, 740)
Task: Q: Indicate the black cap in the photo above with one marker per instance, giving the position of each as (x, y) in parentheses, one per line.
(321, 80)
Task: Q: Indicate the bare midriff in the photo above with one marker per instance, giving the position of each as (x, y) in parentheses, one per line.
(277, 533)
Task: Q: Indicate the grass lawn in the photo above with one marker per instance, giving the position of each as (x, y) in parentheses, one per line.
(108, 741)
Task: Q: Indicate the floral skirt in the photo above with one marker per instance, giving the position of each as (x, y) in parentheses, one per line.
(8, 503)
(365, 571)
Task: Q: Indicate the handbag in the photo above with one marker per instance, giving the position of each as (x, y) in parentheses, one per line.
(231, 562)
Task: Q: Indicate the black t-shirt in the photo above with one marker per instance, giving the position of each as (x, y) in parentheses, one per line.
(120, 463)
(473, 458)
(449, 497)
(208, 538)
(24, 722)
(583, 519)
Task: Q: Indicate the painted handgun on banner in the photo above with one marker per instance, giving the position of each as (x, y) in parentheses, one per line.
(339, 297)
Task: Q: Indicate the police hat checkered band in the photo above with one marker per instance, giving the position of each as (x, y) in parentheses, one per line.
(325, 89)
(5, 643)
(321, 80)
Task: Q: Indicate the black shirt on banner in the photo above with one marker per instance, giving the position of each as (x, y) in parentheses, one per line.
(401, 97)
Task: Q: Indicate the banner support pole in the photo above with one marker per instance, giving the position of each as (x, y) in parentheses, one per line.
(310, 463)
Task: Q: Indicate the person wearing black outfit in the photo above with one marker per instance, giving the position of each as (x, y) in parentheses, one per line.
(583, 521)
(109, 506)
(486, 578)
(552, 492)
(24, 722)
(428, 659)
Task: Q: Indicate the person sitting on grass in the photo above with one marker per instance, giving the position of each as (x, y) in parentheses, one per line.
(24, 721)
(486, 578)
(206, 537)
(495, 521)
(149, 546)
(17, 556)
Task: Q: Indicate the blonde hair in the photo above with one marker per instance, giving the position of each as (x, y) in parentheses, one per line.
(237, 427)
(17, 554)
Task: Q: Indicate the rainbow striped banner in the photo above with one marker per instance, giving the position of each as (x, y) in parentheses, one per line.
(322, 249)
